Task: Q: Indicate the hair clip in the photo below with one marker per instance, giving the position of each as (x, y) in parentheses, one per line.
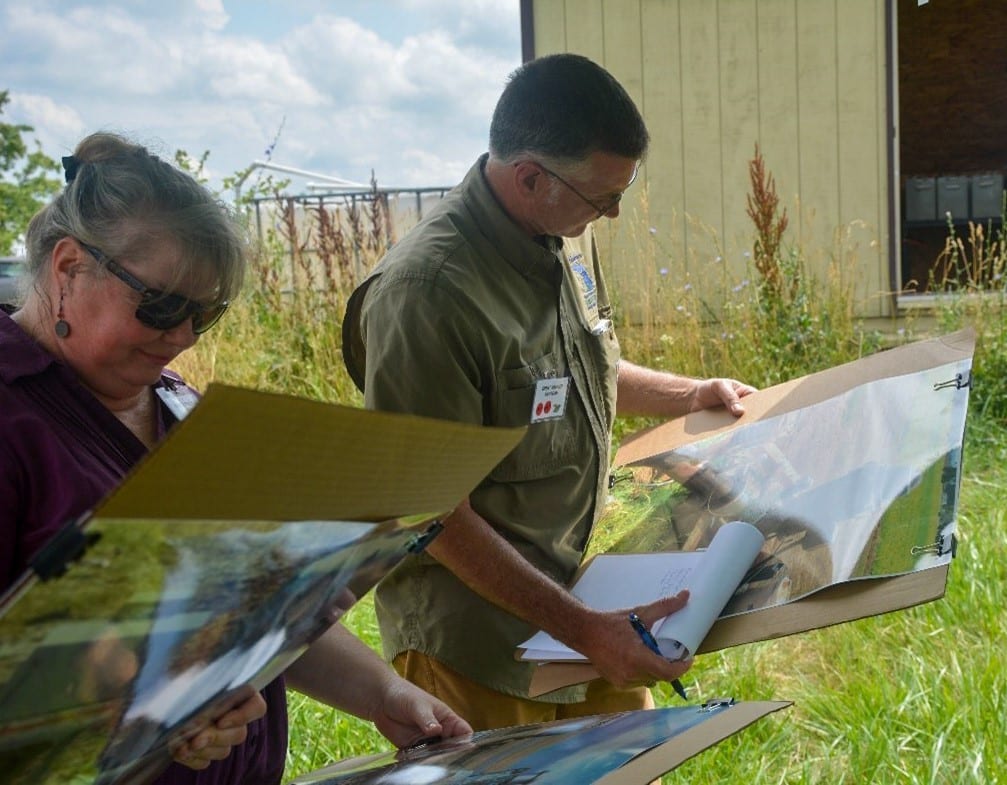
(70, 166)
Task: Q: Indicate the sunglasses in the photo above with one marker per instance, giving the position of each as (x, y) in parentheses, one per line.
(161, 310)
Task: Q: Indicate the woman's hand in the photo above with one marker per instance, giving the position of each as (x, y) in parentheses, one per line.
(406, 714)
(216, 740)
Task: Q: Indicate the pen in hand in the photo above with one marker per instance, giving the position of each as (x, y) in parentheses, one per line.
(650, 643)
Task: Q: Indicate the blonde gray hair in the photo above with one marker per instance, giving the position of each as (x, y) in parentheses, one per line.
(124, 200)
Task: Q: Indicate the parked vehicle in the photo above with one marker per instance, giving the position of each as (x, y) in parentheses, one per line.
(11, 268)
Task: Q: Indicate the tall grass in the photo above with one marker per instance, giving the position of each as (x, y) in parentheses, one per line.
(971, 272)
(912, 697)
(774, 320)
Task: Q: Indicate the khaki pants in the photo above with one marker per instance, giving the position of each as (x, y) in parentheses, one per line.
(485, 708)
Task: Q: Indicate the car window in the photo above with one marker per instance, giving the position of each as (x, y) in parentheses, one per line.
(11, 268)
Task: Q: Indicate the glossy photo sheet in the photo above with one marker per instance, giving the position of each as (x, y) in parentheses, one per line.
(236, 543)
(851, 475)
(629, 748)
(861, 484)
(162, 625)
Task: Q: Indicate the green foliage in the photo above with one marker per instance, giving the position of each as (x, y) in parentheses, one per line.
(194, 166)
(284, 334)
(971, 274)
(25, 179)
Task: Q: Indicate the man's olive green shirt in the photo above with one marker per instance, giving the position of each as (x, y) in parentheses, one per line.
(460, 321)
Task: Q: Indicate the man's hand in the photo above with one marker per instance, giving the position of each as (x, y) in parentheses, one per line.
(662, 394)
(215, 742)
(619, 654)
(720, 392)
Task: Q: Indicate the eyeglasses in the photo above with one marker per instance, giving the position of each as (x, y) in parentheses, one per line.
(601, 210)
(157, 309)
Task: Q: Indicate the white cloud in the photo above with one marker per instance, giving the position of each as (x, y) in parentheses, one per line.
(245, 69)
(404, 87)
(40, 111)
(423, 166)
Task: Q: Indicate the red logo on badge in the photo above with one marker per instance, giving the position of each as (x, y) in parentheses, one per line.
(548, 407)
(538, 410)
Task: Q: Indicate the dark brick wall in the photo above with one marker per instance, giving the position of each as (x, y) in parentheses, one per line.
(952, 87)
(952, 108)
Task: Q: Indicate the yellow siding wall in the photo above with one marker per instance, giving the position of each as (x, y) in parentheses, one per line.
(803, 78)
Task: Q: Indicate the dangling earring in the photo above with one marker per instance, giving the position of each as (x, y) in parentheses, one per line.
(62, 325)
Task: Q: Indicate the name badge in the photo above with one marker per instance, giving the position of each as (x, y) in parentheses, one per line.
(550, 399)
(180, 400)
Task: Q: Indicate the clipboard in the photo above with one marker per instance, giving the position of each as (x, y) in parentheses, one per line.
(809, 494)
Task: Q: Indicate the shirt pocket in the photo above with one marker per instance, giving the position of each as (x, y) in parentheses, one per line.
(547, 445)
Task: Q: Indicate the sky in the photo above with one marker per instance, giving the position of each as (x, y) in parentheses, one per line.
(403, 88)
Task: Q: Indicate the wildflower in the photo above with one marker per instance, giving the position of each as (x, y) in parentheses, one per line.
(653, 230)
(680, 308)
(687, 287)
(747, 254)
(663, 271)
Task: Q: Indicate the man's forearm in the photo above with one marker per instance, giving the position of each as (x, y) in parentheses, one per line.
(493, 568)
(643, 391)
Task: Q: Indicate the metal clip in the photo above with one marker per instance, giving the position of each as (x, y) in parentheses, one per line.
(716, 703)
(602, 327)
(66, 546)
(960, 382)
(940, 546)
(619, 474)
(420, 541)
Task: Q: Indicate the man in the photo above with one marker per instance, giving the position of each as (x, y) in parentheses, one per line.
(483, 313)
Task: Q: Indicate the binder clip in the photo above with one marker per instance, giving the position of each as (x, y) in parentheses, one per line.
(962, 381)
(67, 545)
(716, 703)
(941, 545)
(619, 474)
(420, 541)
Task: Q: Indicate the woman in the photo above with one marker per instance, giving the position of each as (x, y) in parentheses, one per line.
(127, 267)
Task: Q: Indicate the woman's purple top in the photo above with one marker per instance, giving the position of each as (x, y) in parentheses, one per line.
(61, 451)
